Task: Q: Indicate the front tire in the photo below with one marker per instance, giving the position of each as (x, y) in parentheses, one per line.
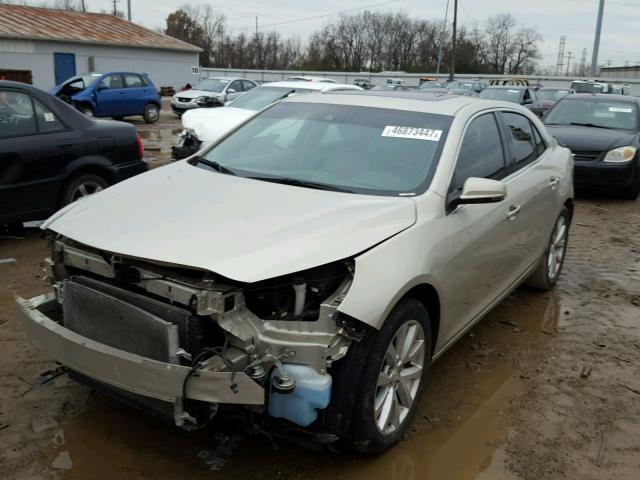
(550, 266)
(632, 191)
(87, 110)
(392, 379)
(151, 113)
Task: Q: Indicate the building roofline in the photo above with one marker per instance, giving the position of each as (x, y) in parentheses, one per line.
(178, 45)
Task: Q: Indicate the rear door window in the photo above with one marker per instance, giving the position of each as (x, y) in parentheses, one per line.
(47, 121)
(134, 81)
(16, 114)
(520, 136)
(248, 85)
(481, 154)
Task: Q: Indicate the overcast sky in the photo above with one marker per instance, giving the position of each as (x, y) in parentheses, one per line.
(574, 18)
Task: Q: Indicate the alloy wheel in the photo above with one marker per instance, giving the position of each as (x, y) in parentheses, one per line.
(399, 378)
(85, 189)
(557, 248)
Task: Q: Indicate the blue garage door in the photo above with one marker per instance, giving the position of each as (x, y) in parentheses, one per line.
(64, 66)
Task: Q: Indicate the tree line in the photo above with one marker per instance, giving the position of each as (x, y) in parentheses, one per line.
(371, 41)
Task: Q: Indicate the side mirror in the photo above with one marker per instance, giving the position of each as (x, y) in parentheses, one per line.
(528, 101)
(101, 87)
(479, 190)
(231, 90)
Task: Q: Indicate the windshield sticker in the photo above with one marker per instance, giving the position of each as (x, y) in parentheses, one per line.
(620, 109)
(48, 117)
(412, 132)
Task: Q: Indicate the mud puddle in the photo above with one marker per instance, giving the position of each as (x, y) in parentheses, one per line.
(460, 423)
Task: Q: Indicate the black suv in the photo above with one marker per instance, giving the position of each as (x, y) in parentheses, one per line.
(51, 154)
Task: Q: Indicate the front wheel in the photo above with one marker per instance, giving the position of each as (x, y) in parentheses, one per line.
(392, 379)
(151, 113)
(550, 266)
(87, 110)
(632, 191)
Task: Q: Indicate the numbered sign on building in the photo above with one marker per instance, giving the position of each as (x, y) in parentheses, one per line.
(195, 70)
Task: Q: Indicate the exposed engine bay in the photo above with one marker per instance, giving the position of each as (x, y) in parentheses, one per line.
(283, 332)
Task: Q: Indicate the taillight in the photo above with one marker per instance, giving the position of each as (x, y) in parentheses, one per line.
(139, 144)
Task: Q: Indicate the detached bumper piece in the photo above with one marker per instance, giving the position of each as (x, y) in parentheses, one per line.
(132, 372)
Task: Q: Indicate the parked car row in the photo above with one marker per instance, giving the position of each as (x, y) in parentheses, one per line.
(256, 272)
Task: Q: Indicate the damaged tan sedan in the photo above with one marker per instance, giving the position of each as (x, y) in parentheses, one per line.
(311, 264)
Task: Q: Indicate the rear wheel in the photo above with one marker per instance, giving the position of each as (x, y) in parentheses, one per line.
(392, 379)
(81, 186)
(548, 271)
(151, 113)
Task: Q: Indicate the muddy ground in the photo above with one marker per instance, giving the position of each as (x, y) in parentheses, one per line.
(547, 386)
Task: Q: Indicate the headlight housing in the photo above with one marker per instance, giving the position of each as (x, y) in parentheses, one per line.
(620, 154)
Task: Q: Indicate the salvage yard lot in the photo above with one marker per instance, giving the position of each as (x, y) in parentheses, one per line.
(547, 386)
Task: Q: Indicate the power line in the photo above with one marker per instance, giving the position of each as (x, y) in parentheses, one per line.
(317, 16)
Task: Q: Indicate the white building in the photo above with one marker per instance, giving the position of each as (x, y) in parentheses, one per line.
(45, 47)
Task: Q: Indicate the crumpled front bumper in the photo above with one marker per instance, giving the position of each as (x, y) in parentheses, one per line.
(128, 371)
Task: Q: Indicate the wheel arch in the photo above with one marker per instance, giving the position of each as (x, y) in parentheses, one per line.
(84, 168)
(427, 295)
(570, 206)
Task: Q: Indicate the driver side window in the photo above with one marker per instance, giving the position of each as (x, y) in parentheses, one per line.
(481, 154)
(112, 82)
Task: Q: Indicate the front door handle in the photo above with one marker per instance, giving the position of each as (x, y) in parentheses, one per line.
(553, 183)
(65, 144)
(514, 211)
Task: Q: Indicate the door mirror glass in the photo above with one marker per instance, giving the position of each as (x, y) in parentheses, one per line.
(528, 101)
(231, 90)
(482, 190)
(101, 87)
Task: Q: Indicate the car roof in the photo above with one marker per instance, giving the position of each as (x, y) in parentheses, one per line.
(443, 104)
(231, 79)
(508, 87)
(319, 86)
(603, 96)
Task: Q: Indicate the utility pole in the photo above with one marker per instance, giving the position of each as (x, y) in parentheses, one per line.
(84, 8)
(568, 63)
(129, 10)
(115, 8)
(596, 41)
(560, 62)
(452, 67)
(444, 26)
(257, 45)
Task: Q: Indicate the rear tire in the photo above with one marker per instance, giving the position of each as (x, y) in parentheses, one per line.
(81, 186)
(392, 379)
(548, 271)
(151, 113)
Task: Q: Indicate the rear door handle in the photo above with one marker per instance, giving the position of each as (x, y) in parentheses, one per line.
(514, 211)
(553, 183)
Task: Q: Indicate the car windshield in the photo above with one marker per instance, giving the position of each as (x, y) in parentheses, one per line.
(460, 85)
(82, 82)
(581, 87)
(335, 147)
(430, 85)
(388, 87)
(594, 113)
(261, 97)
(212, 85)
(507, 94)
(552, 95)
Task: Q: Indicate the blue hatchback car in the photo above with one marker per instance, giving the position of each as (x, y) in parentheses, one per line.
(112, 94)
